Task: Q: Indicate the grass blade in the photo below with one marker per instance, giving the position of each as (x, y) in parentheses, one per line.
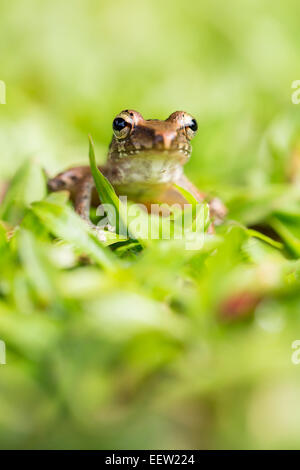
(107, 193)
(64, 223)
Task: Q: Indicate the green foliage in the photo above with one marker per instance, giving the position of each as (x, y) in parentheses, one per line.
(132, 343)
(107, 194)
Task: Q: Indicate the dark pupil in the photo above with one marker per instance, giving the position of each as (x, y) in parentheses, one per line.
(119, 124)
(193, 125)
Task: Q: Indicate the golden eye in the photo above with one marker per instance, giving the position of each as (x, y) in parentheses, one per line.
(191, 126)
(121, 127)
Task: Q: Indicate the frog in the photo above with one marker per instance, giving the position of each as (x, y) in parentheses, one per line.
(144, 163)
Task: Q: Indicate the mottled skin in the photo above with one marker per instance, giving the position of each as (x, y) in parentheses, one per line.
(145, 159)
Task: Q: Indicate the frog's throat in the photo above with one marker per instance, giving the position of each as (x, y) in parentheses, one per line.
(160, 169)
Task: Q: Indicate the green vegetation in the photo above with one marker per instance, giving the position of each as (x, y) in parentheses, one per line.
(130, 344)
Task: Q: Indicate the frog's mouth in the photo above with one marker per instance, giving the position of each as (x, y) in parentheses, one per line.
(181, 154)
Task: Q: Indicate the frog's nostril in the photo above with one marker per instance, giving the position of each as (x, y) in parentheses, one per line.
(158, 139)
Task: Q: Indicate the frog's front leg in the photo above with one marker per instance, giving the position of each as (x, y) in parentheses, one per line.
(79, 182)
(69, 179)
(83, 200)
(83, 197)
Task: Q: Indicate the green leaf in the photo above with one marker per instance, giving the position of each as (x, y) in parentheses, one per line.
(265, 238)
(36, 265)
(64, 223)
(3, 238)
(288, 230)
(201, 215)
(28, 185)
(108, 195)
(188, 196)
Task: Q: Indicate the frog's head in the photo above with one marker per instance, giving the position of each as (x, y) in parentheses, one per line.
(151, 149)
(134, 135)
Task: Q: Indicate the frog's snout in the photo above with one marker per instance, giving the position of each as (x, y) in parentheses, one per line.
(164, 141)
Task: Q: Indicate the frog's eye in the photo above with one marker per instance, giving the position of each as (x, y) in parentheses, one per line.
(119, 124)
(191, 127)
(121, 127)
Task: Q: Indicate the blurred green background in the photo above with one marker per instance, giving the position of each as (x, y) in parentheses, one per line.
(136, 356)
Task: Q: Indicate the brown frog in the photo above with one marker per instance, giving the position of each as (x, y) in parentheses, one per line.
(145, 159)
